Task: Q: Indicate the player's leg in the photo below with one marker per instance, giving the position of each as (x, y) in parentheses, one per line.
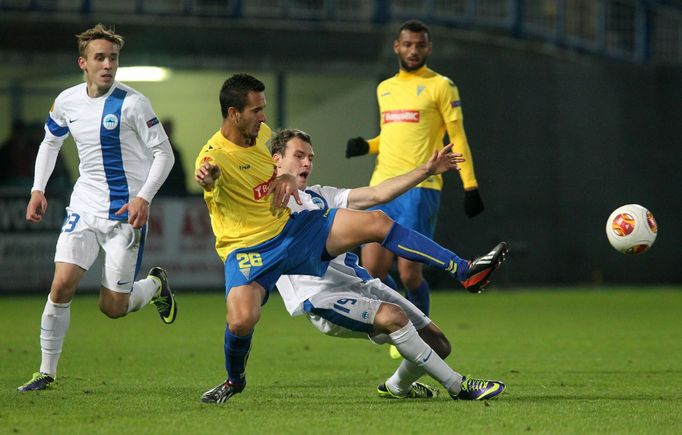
(243, 312)
(378, 261)
(417, 290)
(76, 250)
(123, 248)
(352, 228)
(55, 323)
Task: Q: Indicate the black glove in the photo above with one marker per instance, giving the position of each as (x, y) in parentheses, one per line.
(473, 204)
(356, 146)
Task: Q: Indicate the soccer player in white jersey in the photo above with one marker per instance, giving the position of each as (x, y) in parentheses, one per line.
(348, 302)
(125, 156)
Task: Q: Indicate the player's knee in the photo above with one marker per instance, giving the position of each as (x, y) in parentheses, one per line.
(436, 339)
(389, 318)
(241, 325)
(111, 310)
(61, 292)
(381, 221)
(411, 279)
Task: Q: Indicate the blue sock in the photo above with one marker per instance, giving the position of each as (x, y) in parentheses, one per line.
(420, 296)
(389, 281)
(236, 353)
(416, 247)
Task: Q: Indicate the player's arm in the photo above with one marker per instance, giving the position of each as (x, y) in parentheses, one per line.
(45, 163)
(138, 207)
(441, 161)
(473, 204)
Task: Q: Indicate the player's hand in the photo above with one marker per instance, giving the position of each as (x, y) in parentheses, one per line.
(473, 205)
(443, 161)
(282, 188)
(138, 212)
(37, 206)
(356, 146)
(207, 174)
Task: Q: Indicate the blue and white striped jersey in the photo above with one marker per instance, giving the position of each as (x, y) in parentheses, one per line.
(114, 135)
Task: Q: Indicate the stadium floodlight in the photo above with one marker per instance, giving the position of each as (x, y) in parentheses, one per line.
(143, 74)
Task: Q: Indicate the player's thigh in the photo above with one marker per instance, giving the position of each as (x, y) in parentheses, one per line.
(342, 314)
(77, 243)
(351, 228)
(122, 246)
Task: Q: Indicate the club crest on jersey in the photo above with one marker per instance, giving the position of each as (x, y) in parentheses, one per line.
(400, 116)
(110, 121)
(319, 203)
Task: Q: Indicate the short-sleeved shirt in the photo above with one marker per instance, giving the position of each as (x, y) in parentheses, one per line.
(241, 211)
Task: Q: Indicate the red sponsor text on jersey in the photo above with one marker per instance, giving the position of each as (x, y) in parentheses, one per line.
(400, 116)
(262, 189)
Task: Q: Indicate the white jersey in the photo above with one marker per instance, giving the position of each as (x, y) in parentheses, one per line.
(343, 270)
(114, 135)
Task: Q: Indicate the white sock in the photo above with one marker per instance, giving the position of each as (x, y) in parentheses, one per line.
(143, 292)
(420, 359)
(53, 326)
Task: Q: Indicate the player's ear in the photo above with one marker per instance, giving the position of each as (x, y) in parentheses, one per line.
(81, 62)
(277, 157)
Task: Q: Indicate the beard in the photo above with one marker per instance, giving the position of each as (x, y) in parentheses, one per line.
(408, 68)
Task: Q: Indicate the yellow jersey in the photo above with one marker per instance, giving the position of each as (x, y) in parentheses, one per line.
(415, 109)
(241, 212)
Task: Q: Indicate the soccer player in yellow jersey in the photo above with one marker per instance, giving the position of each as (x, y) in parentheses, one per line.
(417, 107)
(259, 239)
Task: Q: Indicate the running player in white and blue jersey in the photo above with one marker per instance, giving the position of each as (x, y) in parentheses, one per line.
(347, 302)
(125, 156)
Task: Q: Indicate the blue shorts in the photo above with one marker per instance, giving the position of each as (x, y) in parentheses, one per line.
(416, 209)
(299, 249)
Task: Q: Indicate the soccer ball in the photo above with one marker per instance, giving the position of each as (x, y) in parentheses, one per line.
(631, 229)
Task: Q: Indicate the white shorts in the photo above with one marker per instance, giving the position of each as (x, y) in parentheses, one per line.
(350, 314)
(82, 238)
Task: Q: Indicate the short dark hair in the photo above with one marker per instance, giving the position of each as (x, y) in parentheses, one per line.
(415, 26)
(279, 140)
(235, 90)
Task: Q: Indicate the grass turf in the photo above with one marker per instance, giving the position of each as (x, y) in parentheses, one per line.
(574, 360)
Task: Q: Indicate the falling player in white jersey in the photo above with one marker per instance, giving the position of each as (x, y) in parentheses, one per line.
(125, 156)
(348, 302)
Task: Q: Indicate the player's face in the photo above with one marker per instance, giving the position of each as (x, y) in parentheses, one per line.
(297, 161)
(412, 48)
(99, 65)
(250, 119)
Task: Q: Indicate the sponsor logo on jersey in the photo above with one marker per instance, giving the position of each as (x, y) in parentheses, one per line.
(420, 89)
(262, 189)
(152, 122)
(400, 116)
(110, 121)
(244, 167)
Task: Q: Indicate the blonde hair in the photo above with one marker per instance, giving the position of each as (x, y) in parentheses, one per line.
(98, 32)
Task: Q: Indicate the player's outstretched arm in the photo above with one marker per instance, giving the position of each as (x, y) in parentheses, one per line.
(440, 162)
(206, 175)
(37, 206)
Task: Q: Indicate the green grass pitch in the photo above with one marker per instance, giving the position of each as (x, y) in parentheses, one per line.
(592, 360)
